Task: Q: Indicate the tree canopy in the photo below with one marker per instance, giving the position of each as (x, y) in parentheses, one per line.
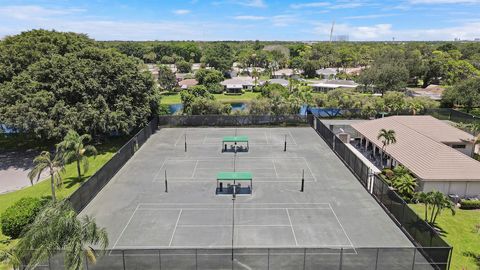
(85, 88)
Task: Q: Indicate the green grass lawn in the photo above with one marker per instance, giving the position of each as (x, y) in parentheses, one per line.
(459, 233)
(247, 96)
(70, 179)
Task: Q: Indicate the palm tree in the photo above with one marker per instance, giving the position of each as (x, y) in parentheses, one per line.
(440, 202)
(54, 166)
(425, 199)
(74, 148)
(387, 137)
(57, 228)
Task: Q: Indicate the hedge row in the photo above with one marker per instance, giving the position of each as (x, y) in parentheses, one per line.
(470, 204)
(20, 215)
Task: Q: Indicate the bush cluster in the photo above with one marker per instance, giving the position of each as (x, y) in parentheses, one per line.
(15, 218)
(470, 204)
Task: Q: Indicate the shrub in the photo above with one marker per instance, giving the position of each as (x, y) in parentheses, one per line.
(470, 204)
(389, 174)
(19, 215)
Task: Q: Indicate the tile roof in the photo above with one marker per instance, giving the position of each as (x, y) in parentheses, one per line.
(419, 147)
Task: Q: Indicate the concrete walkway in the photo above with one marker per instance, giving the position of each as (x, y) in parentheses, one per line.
(14, 169)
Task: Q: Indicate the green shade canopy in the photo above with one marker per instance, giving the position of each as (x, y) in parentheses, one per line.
(237, 176)
(235, 139)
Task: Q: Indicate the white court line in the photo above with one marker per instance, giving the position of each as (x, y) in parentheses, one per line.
(180, 136)
(126, 225)
(175, 229)
(266, 137)
(159, 171)
(226, 208)
(275, 167)
(238, 203)
(291, 226)
(291, 135)
(229, 226)
(195, 169)
(343, 229)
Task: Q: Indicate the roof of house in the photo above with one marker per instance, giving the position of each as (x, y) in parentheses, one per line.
(285, 71)
(187, 83)
(326, 71)
(335, 84)
(279, 81)
(238, 81)
(433, 88)
(419, 147)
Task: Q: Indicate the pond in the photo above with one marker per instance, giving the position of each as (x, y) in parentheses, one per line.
(237, 106)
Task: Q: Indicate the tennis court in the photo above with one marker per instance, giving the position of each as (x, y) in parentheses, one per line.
(334, 211)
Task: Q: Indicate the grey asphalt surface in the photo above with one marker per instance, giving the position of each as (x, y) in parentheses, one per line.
(334, 211)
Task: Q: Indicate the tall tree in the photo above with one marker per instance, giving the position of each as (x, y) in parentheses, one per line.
(219, 56)
(58, 228)
(387, 137)
(95, 91)
(55, 167)
(166, 78)
(73, 148)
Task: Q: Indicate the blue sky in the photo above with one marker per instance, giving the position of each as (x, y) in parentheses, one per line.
(247, 19)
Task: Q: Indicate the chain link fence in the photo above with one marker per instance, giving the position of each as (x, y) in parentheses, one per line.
(409, 258)
(426, 238)
(232, 120)
(89, 189)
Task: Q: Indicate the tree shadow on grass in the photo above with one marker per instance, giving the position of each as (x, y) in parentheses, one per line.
(71, 181)
(474, 256)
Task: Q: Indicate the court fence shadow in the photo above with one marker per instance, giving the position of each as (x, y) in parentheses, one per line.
(421, 234)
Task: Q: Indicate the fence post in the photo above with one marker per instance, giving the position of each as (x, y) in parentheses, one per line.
(341, 258)
(414, 253)
(376, 259)
(268, 258)
(123, 258)
(304, 257)
(160, 259)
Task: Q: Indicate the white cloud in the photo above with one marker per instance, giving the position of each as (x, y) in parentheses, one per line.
(252, 3)
(347, 5)
(249, 18)
(309, 5)
(35, 12)
(182, 11)
(374, 32)
(284, 20)
(444, 1)
(371, 16)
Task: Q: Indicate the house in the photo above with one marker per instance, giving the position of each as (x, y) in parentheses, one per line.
(285, 73)
(237, 84)
(282, 82)
(327, 85)
(152, 68)
(432, 91)
(436, 153)
(327, 73)
(187, 83)
(183, 76)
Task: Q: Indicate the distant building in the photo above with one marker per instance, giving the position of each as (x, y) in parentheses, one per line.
(432, 91)
(237, 84)
(285, 73)
(282, 82)
(187, 83)
(327, 85)
(327, 73)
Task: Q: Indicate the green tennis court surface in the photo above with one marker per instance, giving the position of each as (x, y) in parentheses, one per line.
(334, 211)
